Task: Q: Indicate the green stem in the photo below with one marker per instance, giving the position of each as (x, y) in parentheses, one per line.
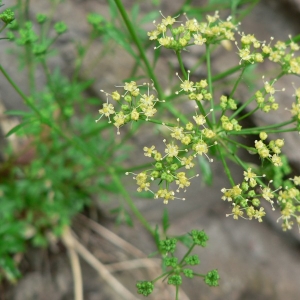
(16, 88)
(123, 191)
(157, 122)
(30, 66)
(199, 275)
(209, 79)
(248, 114)
(255, 131)
(174, 111)
(226, 73)
(139, 46)
(162, 275)
(237, 82)
(136, 168)
(227, 171)
(245, 12)
(2, 28)
(238, 144)
(268, 129)
(187, 253)
(81, 57)
(185, 75)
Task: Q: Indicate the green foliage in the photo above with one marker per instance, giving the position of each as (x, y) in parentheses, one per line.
(212, 278)
(7, 16)
(175, 267)
(145, 288)
(64, 161)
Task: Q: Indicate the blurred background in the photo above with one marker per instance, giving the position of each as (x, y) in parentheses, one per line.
(255, 260)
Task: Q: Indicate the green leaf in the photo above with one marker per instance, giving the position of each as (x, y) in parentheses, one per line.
(119, 38)
(19, 113)
(223, 2)
(205, 168)
(185, 240)
(150, 17)
(135, 13)
(156, 236)
(112, 9)
(128, 219)
(18, 127)
(144, 194)
(9, 268)
(165, 221)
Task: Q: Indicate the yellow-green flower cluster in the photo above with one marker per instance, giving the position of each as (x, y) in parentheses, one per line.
(270, 151)
(195, 91)
(250, 51)
(246, 200)
(192, 32)
(265, 99)
(230, 124)
(166, 171)
(226, 103)
(134, 105)
(166, 167)
(284, 54)
(289, 202)
(253, 51)
(295, 110)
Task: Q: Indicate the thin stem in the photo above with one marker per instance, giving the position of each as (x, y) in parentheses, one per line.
(174, 111)
(187, 253)
(81, 58)
(30, 66)
(245, 12)
(158, 122)
(209, 79)
(226, 168)
(199, 275)
(139, 46)
(237, 82)
(248, 114)
(136, 168)
(129, 201)
(162, 275)
(16, 88)
(226, 73)
(2, 28)
(255, 131)
(268, 128)
(185, 75)
(238, 144)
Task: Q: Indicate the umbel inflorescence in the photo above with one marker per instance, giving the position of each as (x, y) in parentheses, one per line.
(216, 122)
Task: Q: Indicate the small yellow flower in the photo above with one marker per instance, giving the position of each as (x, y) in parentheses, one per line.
(199, 120)
(200, 147)
(187, 162)
(134, 115)
(116, 96)
(198, 39)
(149, 151)
(172, 150)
